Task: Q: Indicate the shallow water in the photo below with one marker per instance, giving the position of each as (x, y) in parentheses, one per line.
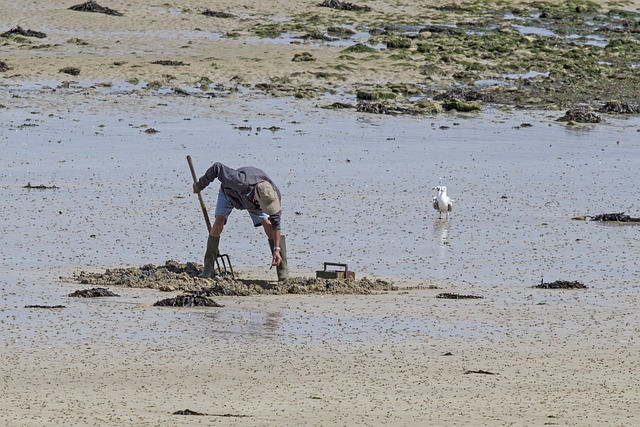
(357, 188)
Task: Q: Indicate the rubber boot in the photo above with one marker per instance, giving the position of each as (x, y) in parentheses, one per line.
(283, 271)
(210, 257)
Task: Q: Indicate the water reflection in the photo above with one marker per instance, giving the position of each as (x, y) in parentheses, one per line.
(245, 323)
(441, 231)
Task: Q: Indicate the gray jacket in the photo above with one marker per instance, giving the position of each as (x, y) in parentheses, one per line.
(239, 186)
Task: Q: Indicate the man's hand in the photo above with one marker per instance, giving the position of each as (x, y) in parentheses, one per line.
(277, 258)
(195, 187)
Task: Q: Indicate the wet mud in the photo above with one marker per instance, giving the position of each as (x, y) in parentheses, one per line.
(175, 276)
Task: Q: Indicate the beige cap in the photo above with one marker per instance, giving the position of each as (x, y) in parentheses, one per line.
(267, 198)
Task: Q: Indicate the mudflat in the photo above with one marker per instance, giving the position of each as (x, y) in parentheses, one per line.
(448, 328)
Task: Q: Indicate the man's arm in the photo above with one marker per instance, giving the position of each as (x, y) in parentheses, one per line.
(227, 176)
(208, 177)
(277, 258)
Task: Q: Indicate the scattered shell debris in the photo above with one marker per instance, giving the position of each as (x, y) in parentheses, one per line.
(174, 276)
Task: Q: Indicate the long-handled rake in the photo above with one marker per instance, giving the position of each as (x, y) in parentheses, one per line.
(222, 257)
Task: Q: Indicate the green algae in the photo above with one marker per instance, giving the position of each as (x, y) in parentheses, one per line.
(460, 105)
(359, 48)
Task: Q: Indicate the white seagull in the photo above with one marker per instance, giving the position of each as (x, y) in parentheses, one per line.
(442, 202)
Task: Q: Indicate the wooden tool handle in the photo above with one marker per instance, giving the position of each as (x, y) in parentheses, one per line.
(204, 208)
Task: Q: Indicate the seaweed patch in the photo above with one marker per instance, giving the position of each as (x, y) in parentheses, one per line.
(620, 217)
(619, 108)
(616, 217)
(92, 6)
(384, 108)
(196, 413)
(187, 301)
(93, 293)
(22, 32)
(479, 371)
(187, 412)
(343, 5)
(169, 62)
(217, 14)
(447, 295)
(45, 306)
(40, 187)
(561, 284)
(581, 115)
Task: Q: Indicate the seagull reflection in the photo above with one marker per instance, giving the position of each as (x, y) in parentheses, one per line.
(441, 231)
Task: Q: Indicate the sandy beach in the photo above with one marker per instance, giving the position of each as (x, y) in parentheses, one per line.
(357, 189)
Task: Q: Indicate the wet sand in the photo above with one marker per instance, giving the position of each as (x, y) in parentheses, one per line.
(357, 189)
